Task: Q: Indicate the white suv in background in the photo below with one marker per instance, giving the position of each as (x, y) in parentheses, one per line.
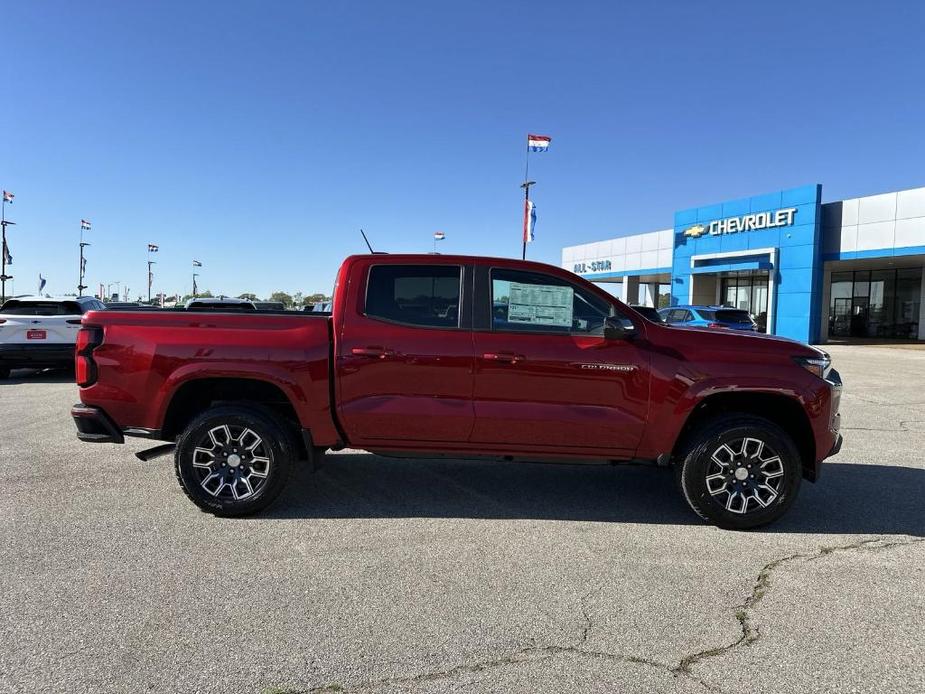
(38, 332)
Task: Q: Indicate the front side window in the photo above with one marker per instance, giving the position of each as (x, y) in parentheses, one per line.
(425, 295)
(534, 302)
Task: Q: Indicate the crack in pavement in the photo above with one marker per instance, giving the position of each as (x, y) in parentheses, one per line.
(750, 632)
(523, 655)
(533, 653)
(902, 427)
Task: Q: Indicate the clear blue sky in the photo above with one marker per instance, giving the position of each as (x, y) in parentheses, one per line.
(258, 137)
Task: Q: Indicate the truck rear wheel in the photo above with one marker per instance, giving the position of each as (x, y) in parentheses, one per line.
(740, 472)
(234, 460)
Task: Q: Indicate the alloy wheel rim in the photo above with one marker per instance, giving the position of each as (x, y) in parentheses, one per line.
(232, 462)
(745, 475)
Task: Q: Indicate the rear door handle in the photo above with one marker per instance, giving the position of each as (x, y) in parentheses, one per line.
(374, 352)
(505, 357)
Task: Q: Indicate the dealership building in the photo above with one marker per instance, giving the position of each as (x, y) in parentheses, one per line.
(805, 269)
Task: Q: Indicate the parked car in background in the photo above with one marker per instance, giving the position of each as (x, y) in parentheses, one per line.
(269, 305)
(648, 312)
(708, 317)
(38, 332)
(127, 306)
(460, 356)
(222, 303)
(320, 307)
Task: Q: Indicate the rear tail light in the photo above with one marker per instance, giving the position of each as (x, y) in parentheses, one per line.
(88, 339)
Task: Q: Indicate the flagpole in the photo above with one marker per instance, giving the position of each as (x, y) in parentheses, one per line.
(526, 186)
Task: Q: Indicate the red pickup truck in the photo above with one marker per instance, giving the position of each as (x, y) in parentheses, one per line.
(466, 356)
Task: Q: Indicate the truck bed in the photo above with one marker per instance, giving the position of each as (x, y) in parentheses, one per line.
(148, 355)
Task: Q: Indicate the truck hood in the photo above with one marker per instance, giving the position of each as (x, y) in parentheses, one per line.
(728, 341)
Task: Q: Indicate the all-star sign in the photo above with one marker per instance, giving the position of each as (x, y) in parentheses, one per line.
(749, 222)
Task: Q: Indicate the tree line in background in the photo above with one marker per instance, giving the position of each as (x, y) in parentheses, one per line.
(297, 300)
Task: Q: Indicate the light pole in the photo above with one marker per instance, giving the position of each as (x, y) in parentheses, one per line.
(84, 226)
(152, 248)
(4, 251)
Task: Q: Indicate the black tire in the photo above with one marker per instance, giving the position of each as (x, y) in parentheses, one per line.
(241, 472)
(724, 451)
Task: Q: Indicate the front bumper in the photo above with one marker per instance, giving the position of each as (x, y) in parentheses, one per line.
(35, 356)
(95, 426)
(836, 447)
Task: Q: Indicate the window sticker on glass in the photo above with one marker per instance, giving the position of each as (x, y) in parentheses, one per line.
(540, 304)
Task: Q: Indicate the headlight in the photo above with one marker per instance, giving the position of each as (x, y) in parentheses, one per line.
(818, 366)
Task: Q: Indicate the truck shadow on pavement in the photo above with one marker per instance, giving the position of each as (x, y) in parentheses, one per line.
(849, 499)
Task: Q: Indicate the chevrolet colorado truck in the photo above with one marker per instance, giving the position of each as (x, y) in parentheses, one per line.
(464, 356)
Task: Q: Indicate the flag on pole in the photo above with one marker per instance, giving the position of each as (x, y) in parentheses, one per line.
(152, 248)
(196, 263)
(529, 221)
(42, 283)
(8, 197)
(7, 258)
(84, 225)
(439, 236)
(538, 143)
(83, 265)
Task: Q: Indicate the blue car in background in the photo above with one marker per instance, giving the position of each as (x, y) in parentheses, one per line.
(709, 317)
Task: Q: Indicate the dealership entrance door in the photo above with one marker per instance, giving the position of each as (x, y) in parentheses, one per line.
(746, 290)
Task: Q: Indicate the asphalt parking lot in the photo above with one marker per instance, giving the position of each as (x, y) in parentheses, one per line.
(427, 576)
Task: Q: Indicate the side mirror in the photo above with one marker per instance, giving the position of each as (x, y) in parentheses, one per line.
(618, 329)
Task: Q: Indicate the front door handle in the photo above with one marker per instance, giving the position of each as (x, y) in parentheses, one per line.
(374, 352)
(504, 357)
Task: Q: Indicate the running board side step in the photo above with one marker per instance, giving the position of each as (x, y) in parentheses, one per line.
(156, 452)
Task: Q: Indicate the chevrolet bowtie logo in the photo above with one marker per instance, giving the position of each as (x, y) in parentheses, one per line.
(695, 231)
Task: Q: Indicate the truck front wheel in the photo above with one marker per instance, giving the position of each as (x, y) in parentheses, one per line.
(740, 472)
(234, 460)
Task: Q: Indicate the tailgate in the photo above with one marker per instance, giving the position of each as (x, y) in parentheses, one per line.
(15, 330)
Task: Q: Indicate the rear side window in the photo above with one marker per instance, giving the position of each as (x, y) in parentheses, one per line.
(733, 316)
(425, 295)
(16, 307)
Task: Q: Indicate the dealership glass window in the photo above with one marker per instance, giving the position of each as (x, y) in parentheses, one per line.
(664, 296)
(531, 301)
(875, 303)
(425, 295)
